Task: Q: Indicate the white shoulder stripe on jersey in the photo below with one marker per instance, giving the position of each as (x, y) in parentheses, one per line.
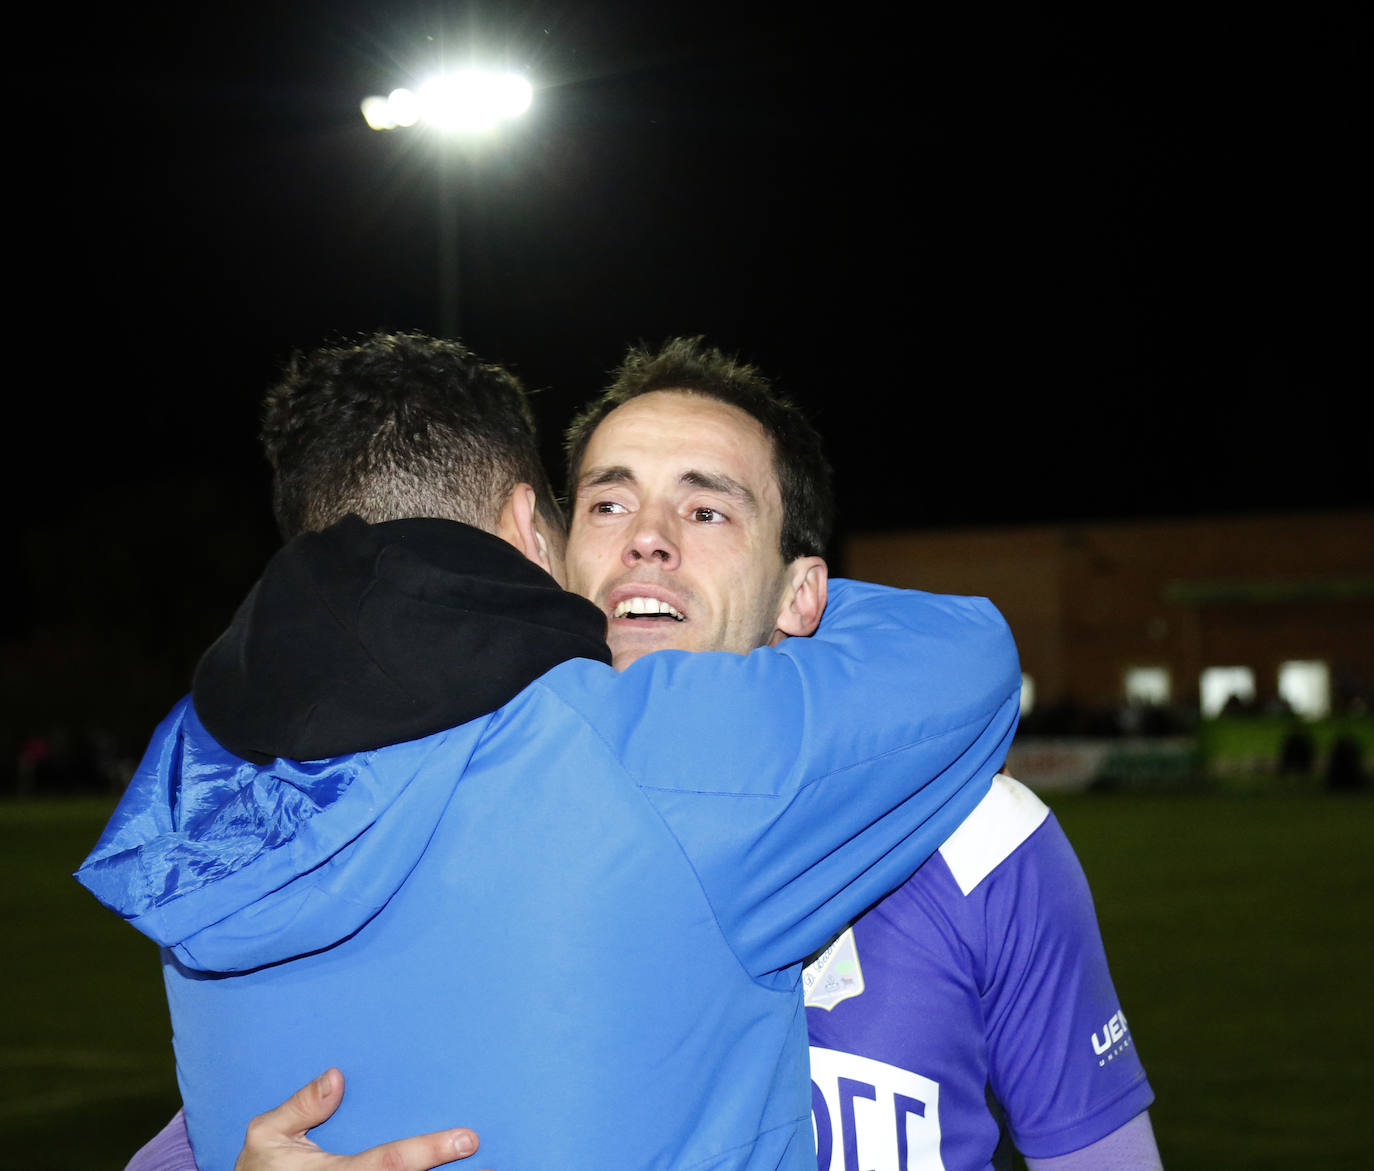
(1000, 822)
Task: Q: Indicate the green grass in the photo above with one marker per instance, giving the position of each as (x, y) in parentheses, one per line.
(1238, 930)
(86, 1073)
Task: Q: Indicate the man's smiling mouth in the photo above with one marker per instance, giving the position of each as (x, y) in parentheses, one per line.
(647, 608)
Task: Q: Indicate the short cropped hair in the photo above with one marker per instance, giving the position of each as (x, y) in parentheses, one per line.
(688, 364)
(399, 425)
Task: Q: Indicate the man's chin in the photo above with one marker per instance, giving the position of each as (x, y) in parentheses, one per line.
(629, 645)
(622, 659)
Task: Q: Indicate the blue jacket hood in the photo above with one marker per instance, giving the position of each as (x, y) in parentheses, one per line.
(234, 866)
(353, 638)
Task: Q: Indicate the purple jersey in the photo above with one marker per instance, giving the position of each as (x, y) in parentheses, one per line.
(985, 973)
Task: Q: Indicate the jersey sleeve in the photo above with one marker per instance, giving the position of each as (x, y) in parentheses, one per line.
(1063, 1062)
(804, 782)
(168, 1150)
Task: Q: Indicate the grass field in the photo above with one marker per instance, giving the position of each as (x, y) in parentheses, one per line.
(1239, 930)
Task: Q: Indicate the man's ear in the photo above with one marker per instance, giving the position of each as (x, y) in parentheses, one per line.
(519, 525)
(803, 600)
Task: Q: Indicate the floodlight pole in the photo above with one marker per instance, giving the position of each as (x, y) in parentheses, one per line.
(448, 240)
(465, 102)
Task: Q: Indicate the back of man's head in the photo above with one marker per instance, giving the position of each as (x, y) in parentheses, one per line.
(688, 364)
(394, 426)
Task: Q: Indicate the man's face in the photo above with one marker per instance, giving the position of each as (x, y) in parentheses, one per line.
(676, 525)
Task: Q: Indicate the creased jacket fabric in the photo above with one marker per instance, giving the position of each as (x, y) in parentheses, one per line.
(574, 924)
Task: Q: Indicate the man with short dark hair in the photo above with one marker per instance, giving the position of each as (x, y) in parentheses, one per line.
(579, 920)
(400, 425)
(984, 974)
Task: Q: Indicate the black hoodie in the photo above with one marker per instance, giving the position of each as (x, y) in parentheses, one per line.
(364, 635)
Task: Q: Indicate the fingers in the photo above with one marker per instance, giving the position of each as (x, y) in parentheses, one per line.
(287, 1124)
(415, 1154)
(309, 1106)
(276, 1139)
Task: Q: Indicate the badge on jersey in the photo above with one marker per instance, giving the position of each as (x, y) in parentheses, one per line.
(834, 975)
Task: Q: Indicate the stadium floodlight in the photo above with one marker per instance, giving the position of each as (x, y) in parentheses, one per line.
(463, 102)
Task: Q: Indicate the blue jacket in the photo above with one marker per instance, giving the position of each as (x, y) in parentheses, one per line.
(576, 923)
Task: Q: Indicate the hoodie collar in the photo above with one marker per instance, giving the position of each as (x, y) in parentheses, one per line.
(365, 635)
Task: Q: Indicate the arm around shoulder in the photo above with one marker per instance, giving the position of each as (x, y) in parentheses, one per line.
(806, 781)
(887, 669)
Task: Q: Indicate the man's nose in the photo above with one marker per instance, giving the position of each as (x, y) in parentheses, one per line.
(652, 540)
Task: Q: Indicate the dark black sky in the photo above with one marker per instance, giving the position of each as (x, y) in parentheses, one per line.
(1022, 263)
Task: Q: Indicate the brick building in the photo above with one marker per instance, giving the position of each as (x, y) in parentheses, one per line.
(1182, 613)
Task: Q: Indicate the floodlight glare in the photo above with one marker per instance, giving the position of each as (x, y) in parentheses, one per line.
(465, 101)
(377, 111)
(404, 106)
(474, 99)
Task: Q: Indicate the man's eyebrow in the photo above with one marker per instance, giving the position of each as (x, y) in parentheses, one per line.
(611, 474)
(713, 482)
(707, 481)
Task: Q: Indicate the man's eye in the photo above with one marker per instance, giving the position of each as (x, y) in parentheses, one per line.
(707, 516)
(607, 507)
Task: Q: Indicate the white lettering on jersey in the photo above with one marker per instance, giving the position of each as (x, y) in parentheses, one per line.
(1116, 1037)
(871, 1116)
(834, 975)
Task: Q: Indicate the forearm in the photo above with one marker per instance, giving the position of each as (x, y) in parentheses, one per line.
(170, 1150)
(1129, 1148)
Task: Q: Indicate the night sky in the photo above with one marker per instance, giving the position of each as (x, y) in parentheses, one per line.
(1022, 264)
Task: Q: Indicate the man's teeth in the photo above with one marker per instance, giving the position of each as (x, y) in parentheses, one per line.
(637, 606)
